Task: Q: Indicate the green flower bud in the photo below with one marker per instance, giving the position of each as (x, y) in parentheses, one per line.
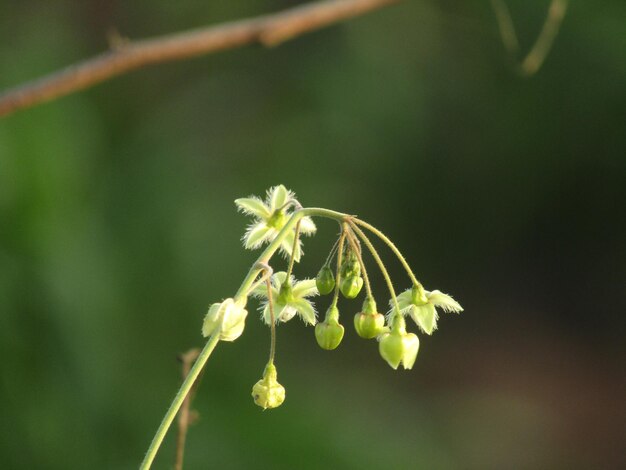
(267, 392)
(351, 286)
(229, 316)
(369, 325)
(398, 348)
(350, 265)
(325, 280)
(329, 333)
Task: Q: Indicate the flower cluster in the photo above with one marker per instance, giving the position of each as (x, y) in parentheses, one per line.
(279, 221)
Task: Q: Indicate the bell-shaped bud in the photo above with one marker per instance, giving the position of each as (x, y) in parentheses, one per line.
(369, 325)
(351, 286)
(399, 348)
(267, 392)
(329, 333)
(227, 317)
(325, 280)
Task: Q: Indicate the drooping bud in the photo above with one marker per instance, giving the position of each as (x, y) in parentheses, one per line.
(350, 265)
(399, 347)
(369, 323)
(325, 280)
(329, 333)
(267, 392)
(351, 286)
(227, 316)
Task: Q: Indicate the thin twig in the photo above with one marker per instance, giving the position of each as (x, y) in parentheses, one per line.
(533, 61)
(184, 415)
(269, 30)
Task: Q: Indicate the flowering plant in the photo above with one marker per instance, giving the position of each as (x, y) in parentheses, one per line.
(279, 221)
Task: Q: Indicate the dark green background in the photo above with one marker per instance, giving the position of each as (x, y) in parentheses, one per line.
(117, 230)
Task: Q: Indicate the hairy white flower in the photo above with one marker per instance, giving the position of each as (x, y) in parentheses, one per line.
(289, 298)
(421, 307)
(270, 217)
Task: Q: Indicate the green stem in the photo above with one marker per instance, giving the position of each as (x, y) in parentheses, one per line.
(354, 243)
(275, 244)
(391, 245)
(270, 302)
(293, 250)
(179, 399)
(242, 293)
(342, 239)
(332, 253)
(380, 263)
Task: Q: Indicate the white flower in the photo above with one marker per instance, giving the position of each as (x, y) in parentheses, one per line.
(421, 308)
(288, 299)
(271, 216)
(229, 316)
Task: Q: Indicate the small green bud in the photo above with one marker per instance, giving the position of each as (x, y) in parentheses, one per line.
(369, 325)
(350, 265)
(329, 333)
(325, 280)
(399, 347)
(267, 392)
(351, 286)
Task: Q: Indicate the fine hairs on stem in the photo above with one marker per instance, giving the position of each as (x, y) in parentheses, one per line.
(380, 263)
(388, 242)
(357, 250)
(270, 300)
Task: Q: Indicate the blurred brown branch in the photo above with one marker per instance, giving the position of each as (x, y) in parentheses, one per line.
(185, 415)
(269, 30)
(530, 64)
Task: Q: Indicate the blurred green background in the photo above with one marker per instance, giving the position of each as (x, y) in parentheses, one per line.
(117, 230)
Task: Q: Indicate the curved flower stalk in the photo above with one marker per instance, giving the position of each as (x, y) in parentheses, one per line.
(279, 221)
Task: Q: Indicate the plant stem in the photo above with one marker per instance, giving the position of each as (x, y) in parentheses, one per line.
(354, 243)
(275, 244)
(178, 400)
(295, 246)
(242, 293)
(332, 253)
(380, 263)
(342, 239)
(270, 302)
(184, 418)
(390, 244)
